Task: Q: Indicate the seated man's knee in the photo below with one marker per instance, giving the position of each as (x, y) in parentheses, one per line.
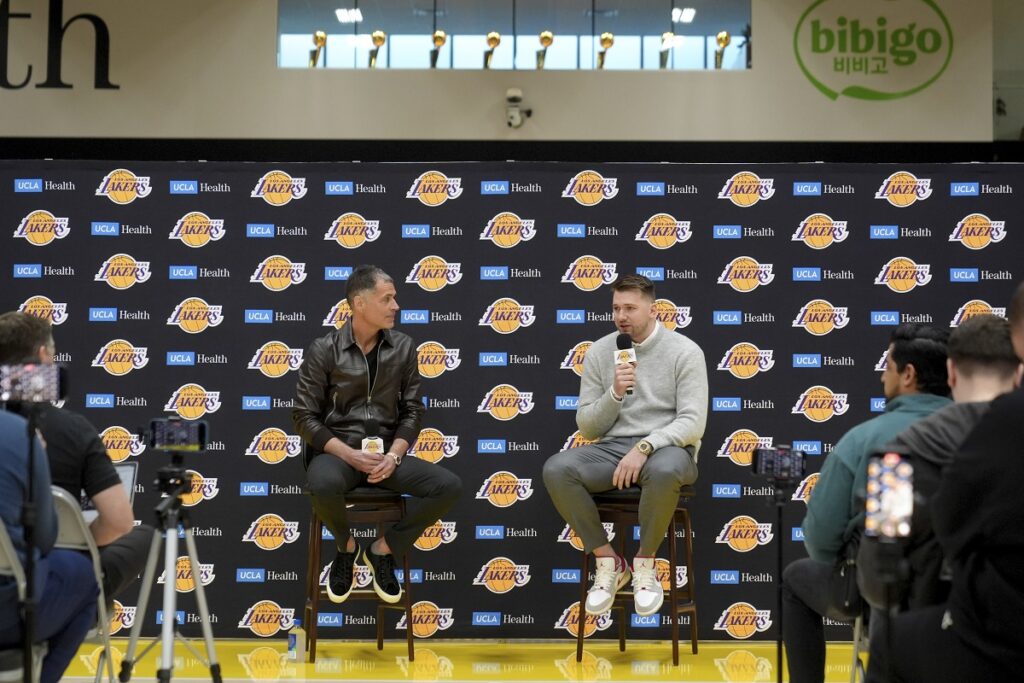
(556, 470)
(451, 486)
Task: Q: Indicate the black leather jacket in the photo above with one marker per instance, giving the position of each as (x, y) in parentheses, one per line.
(335, 394)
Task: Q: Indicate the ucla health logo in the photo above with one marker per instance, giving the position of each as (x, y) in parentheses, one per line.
(741, 620)
(122, 271)
(504, 489)
(739, 446)
(42, 307)
(273, 446)
(977, 231)
(433, 273)
(352, 231)
(119, 357)
(671, 316)
(745, 189)
(433, 359)
(820, 231)
(339, 314)
(277, 188)
(194, 315)
(500, 575)
(590, 188)
(507, 230)
(192, 401)
(744, 533)
(589, 272)
(121, 186)
(41, 227)
(434, 188)
(121, 444)
(819, 317)
(196, 229)
(744, 360)
(902, 275)
(821, 404)
(275, 359)
(903, 189)
(437, 534)
(504, 402)
(270, 532)
(277, 273)
(574, 359)
(663, 231)
(201, 488)
(506, 315)
(973, 308)
(744, 274)
(433, 445)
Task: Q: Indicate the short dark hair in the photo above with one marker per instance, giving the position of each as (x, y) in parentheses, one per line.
(1016, 308)
(924, 347)
(637, 283)
(364, 277)
(21, 335)
(982, 342)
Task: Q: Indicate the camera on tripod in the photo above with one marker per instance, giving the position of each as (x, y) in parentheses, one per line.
(781, 465)
(172, 434)
(32, 383)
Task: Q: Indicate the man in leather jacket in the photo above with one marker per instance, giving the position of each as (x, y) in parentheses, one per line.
(361, 374)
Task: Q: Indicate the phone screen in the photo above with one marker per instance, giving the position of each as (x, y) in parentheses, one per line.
(890, 499)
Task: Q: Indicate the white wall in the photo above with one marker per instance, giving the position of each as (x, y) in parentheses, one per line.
(1008, 63)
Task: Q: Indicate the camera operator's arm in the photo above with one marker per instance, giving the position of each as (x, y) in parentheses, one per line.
(101, 483)
(828, 511)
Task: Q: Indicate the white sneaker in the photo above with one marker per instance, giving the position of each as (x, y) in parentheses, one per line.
(607, 582)
(647, 591)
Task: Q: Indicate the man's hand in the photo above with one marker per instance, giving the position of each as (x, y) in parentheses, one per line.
(628, 471)
(363, 461)
(625, 378)
(382, 471)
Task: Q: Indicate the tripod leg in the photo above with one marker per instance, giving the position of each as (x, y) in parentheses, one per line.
(204, 613)
(147, 585)
(163, 674)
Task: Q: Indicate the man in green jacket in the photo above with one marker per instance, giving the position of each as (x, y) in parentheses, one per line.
(914, 384)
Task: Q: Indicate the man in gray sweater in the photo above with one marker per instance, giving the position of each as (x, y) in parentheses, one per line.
(646, 420)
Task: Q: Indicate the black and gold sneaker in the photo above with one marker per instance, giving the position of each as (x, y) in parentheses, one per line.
(341, 579)
(382, 568)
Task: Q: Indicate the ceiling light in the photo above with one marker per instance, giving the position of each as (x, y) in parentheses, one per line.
(683, 15)
(349, 16)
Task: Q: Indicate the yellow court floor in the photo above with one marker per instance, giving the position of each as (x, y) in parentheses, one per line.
(477, 660)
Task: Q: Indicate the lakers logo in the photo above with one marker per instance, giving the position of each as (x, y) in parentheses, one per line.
(746, 189)
(42, 307)
(880, 365)
(972, 308)
(820, 231)
(803, 491)
(505, 402)
(507, 315)
(121, 271)
(277, 188)
(741, 620)
(743, 665)
(184, 578)
(40, 227)
(574, 359)
(352, 231)
(575, 440)
(277, 273)
(270, 532)
(275, 359)
(339, 314)
(977, 231)
(194, 315)
(744, 360)
(743, 534)
(903, 188)
(427, 619)
(590, 188)
(202, 488)
(436, 535)
(434, 359)
(821, 404)
(196, 229)
(272, 446)
(570, 621)
(663, 231)
(507, 230)
(569, 535)
(121, 617)
(264, 663)
(819, 317)
(745, 274)
(433, 273)
(121, 186)
(192, 401)
(434, 188)
(589, 272)
(739, 446)
(119, 357)
(266, 618)
(362, 576)
(663, 570)
(500, 575)
(671, 316)
(433, 446)
(121, 444)
(901, 275)
(504, 489)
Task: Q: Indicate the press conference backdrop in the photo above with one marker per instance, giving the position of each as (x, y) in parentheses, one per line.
(194, 289)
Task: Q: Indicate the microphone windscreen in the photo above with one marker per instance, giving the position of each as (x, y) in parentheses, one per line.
(623, 342)
(372, 428)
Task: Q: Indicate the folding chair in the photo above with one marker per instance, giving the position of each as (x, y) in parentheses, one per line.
(11, 661)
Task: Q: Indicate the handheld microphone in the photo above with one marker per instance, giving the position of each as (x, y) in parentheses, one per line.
(626, 354)
(372, 443)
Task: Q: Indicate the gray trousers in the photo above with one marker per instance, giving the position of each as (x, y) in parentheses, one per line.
(573, 475)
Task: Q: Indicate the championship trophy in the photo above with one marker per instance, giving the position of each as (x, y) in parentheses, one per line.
(546, 38)
(723, 39)
(440, 38)
(607, 40)
(319, 39)
(668, 40)
(493, 41)
(378, 37)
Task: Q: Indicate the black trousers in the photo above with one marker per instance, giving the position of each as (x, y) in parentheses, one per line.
(330, 478)
(806, 597)
(123, 560)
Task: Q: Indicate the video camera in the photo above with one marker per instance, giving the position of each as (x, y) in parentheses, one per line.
(782, 466)
(32, 383)
(172, 434)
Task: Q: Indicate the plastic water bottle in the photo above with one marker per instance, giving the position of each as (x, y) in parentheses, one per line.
(296, 642)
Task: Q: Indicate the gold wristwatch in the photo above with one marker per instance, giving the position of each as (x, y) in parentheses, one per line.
(394, 456)
(645, 447)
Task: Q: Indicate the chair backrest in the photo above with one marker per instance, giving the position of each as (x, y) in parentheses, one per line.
(10, 564)
(72, 530)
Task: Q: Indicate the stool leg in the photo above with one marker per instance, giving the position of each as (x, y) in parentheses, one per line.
(408, 606)
(673, 597)
(582, 612)
(622, 553)
(316, 541)
(691, 591)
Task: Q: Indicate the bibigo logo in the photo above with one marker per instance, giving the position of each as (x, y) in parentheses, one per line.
(575, 440)
(272, 446)
(277, 188)
(437, 534)
(743, 534)
(196, 229)
(972, 308)
(500, 575)
(662, 231)
(504, 489)
(570, 621)
(275, 359)
(192, 401)
(42, 307)
(507, 230)
(433, 446)
(589, 272)
(121, 271)
(744, 360)
(903, 188)
(820, 231)
(663, 570)
(428, 619)
(671, 316)
(574, 359)
(121, 444)
(977, 231)
(434, 188)
(266, 618)
(278, 273)
(739, 446)
(339, 314)
(270, 532)
(806, 487)
(746, 189)
(184, 578)
(505, 402)
(901, 274)
(119, 357)
(41, 227)
(506, 315)
(742, 620)
(590, 188)
(352, 231)
(819, 317)
(202, 488)
(194, 315)
(433, 273)
(121, 186)
(569, 535)
(745, 274)
(433, 359)
(821, 404)
(121, 617)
